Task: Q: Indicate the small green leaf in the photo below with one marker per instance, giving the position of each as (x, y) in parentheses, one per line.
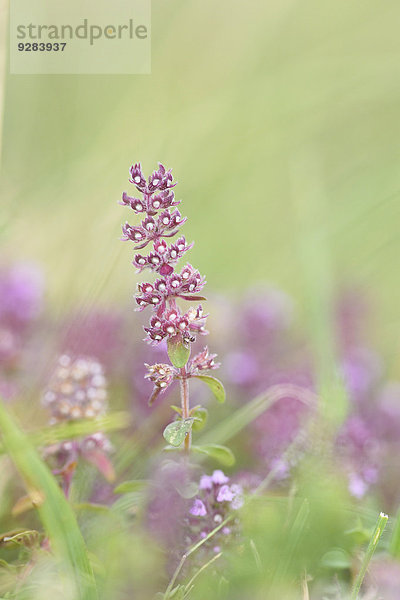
(336, 559)
(215, 386)
(200, 418)
(177, 409)
(188, 489)
(178, 351)
(177, 593)
(222, 454)
(128, 504)
(175, 432)
(136, 485)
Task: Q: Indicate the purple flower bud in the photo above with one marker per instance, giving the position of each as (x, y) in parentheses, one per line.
(149, 225)
(154, 260)
(155, 335)
(145, 288)
(159, 179)
(161, 375)
(169, 328)
(166, 269)
(161, 285)
(160, 246)
(225, 494)
(136, 234)
(203, 361)
(137, 177)
(155, 203)
(140, 261)
(198, 508)
(182, 324)
(164, 220)
(219, 478)
(206, 482)
(175, 282)
(134, 203)
(168, 198)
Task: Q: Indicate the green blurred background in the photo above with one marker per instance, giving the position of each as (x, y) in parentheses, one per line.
(281, 122)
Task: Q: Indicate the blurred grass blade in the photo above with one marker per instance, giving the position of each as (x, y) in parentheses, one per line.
(395, 541)
(191, 550)
(315, 257)
(222, 454)
(256, 554)
(296, 532)
(55, 513)
(189, 585)
(75, 429)
(3, 64)
(376, 536)
(234, 423)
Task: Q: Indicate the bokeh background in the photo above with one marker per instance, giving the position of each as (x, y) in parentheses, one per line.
(281, 122)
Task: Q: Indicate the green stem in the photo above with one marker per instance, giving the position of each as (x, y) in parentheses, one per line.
(189, 552)
(379, 528)
(189, 585)
(395, 541)
(185, 404)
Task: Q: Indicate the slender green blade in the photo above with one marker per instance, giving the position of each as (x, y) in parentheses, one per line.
(373, 543)
(395, 540)
(75, 429)
(55, 513)
(234, 423)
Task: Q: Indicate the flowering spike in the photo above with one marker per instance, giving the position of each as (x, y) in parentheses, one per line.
(160, 219)
(77, 391)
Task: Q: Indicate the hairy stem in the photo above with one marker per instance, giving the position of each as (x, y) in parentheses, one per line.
(379, 527)
(185, 404)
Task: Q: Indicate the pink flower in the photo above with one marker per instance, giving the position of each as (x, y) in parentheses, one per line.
(225, 494)
(219, 477)
(198, 508)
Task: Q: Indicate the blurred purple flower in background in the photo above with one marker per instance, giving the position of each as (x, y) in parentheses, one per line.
(358, 451)
(21, 303)
(261, 347)
(21, 294)
(98, 333)
(217, 499)
(383, 580)
(78, 390)
(167, 507)
(263, 350)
